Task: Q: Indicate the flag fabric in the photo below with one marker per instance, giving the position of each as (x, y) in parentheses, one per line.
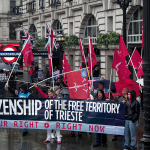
(80, 66)
(82, 52)
(92, 61)
(78, 84)
(50, 33)
(123, 52)
(66, 68)
(25, 36)
(56, 74)
(142, 35)
(139, 73)
(136, 61)
(50, 56)
(122, 70)
(27, 52)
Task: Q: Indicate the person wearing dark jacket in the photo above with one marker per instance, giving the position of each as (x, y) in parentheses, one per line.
(51, 94)
(23, 93)
(132, 115)
(101, 96)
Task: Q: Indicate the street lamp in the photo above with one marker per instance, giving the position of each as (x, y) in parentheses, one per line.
(146, 71)
(124, 5)
(60, 39)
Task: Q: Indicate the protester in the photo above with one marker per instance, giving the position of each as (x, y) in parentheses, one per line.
(36, 70)
(46, 74)
(55, 68)
(100, 86)
(101, 96)
(96, 72)
(132, 115)
(57, 93)
(11, 80)
(31, 74)
(122, 98)
(51, 94)
(57, 82)
(23, 93)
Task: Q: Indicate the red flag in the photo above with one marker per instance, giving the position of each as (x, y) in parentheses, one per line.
(27, 52)
(123, 52)
(140, 73)
(50, 56)
(66, 67)
(78, 85)
(92, 61)
(80, 66)
(122, 71)
(136, 61)
(82, 52)
(142, 35)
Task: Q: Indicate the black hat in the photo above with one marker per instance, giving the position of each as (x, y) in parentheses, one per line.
(24, 88)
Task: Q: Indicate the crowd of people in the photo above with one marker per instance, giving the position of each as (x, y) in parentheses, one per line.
(128, 97)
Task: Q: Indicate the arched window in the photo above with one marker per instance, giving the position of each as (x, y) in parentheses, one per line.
(33, 32)
(57, 27)
(91, 30)
(135, 27)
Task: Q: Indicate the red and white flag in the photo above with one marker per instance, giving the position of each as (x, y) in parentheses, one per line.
(92, 61)
(27, 52)
(82, 52)
(118, 64)
(123, 52)
(66, 68)
(136, 61)
(142, 35)
(50, 56)
(78, 85)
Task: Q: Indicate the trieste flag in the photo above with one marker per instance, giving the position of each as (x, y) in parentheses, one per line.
(78, 85)
(27, 52)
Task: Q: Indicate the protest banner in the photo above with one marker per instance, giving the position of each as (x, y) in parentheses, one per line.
(64, 114)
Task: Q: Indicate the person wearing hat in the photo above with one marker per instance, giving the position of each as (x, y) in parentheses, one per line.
(57, 92)
(23, 93)
(50, 95)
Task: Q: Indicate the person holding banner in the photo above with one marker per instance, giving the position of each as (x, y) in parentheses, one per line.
(51, 94)
(122, 98)
(101, 96)
(132, 115)
(22, 94)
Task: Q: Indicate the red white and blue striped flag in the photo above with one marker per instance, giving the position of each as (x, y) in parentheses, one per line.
(25, 36)
(50, 33)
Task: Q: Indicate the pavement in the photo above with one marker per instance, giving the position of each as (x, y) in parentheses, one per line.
(12, 139)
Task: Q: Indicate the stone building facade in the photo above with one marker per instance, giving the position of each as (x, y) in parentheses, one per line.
(79, 17)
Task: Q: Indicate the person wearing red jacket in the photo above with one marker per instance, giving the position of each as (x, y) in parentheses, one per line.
(51, 94)
(31, 73)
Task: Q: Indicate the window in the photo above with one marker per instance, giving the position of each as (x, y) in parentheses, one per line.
(135, 27)
(57, 27)
(33, 32)
(41, 4)
(91, 30)
(12, 6)
(54, 2)
(31, 6)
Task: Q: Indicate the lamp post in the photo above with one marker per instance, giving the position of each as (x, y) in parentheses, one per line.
(124, 5)
(146, 70)
(60, 39)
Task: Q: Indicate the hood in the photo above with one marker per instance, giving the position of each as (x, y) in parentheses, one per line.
(101, 92)
(133, 95)
(24, 88)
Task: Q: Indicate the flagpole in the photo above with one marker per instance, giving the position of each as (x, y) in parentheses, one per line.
(110, 82)
(91, 61)
(85, 60)
(60, 75)
(18, 58)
